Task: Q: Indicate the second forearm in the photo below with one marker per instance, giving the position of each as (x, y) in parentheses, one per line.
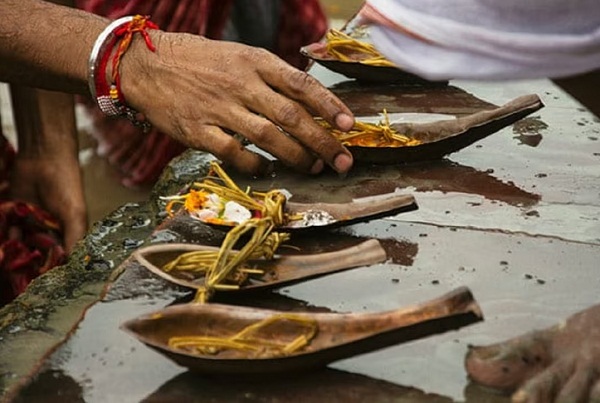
(46, 171)
(45, 45)
(45, 123)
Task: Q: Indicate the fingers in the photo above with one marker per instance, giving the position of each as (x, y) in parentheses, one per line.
(294, 119)
(69, 207)
(234, 78)
(266, 135)
(576, 389)
(509, 364)
(230, 151)
(74, 230)
(595, 392)
(302, 87)
(295, 85)
(543, 387)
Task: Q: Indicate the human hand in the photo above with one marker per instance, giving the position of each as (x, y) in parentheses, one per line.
(53, 184)
(46, 170)
(196, 89)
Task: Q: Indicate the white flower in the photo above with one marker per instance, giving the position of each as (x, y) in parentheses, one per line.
(236, 212)
(214, 203)
(204, 214)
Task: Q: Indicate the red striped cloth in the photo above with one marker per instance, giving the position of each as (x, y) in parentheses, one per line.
(142, 157)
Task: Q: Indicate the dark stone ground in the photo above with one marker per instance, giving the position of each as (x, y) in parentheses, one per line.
(514, 217)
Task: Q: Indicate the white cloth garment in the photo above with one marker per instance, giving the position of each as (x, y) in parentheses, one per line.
(487, 39)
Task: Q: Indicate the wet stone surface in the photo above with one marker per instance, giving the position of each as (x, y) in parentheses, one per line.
(526, 245)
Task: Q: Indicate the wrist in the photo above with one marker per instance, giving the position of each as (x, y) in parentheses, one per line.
(45, 123)
(104, 68)
(137, 67)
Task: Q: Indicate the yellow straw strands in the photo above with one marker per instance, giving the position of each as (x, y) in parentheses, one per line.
(372, 135)
(347, 49)
(227, 268)
(220, 186)
(250, 342)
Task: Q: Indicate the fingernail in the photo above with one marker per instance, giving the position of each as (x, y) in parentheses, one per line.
(344, 121)
(317, 166)
(342, 163)
(520, 397)
(486, 353)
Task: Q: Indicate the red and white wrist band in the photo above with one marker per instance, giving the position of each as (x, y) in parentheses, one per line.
(109, 48)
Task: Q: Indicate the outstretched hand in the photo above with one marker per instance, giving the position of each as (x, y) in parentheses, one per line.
(197, 90)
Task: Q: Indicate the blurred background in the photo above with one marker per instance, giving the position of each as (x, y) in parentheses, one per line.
(103, 190)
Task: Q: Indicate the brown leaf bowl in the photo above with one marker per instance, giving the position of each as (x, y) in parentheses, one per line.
(341, 214)
(339, 335)
(439, 139)
(281, 270)
(365, 72)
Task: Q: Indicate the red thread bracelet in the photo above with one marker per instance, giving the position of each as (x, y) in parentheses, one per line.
(109, 97)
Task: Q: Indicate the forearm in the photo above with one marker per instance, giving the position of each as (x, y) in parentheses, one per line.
(46, 170)
(191, 88)
(45, 45)
(45, 123)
